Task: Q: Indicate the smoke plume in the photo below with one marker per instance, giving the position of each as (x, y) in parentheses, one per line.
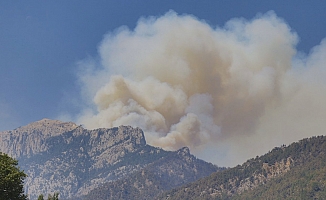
(229, 93)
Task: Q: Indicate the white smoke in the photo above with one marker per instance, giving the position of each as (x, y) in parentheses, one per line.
(236, 90)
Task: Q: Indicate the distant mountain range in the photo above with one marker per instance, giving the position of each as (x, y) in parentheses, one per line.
(117, 163)
(104, 163)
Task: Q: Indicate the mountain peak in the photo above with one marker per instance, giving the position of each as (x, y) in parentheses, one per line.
(52, 122)
(136, 134)
(184, 151)
(48, 127)
(73, 160)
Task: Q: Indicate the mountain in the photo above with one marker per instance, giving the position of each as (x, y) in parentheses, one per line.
(162, 175)
(307, 181)
(66, 158)
(293, 172)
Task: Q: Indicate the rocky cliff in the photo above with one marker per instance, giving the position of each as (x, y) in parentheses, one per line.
(171, 171)
(64, 157)
(29, 140)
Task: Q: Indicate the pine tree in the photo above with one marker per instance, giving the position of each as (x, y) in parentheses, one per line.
(11, 179)
(54, 197)
(41, 197)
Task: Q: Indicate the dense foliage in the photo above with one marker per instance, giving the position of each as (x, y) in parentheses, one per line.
(267, 177)
(307, 180)
(11, 179)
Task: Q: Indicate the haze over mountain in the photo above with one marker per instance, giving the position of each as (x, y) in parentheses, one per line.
(66, 158)
(188, 74)
(224, 80)
(228, 92)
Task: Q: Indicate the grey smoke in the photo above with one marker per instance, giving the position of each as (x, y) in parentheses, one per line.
(229, 93)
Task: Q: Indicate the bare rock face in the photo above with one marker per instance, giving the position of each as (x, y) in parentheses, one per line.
(66, 158)
(30, 139)
(171, 171)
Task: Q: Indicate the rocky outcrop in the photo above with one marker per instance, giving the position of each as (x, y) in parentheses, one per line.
(279, 168)
(237, 185)
(29, 140)
(173, 170)
(268, 172)
(64, 157)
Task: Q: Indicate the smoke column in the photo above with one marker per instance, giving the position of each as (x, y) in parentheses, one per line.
(229, 93)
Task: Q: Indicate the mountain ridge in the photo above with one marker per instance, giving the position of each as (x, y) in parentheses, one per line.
(64, 157)
(41, 130)
(162, 175)
(240, 182)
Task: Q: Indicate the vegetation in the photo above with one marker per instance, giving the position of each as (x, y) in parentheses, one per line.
(55, 196)
(293, 172)
(41, 197)
(305, 181)
(11, 179)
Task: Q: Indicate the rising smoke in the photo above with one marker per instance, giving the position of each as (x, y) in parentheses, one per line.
(228, 93)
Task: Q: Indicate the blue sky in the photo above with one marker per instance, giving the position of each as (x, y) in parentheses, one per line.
(41, 43)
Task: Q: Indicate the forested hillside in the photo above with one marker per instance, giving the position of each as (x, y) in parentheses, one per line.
(307, 180)
(294, 172)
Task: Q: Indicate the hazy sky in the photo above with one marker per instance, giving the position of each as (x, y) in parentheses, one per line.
(43, 45)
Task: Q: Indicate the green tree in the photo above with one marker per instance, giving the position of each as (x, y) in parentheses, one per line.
(11, 179)
(41, 197)
(54, 197)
